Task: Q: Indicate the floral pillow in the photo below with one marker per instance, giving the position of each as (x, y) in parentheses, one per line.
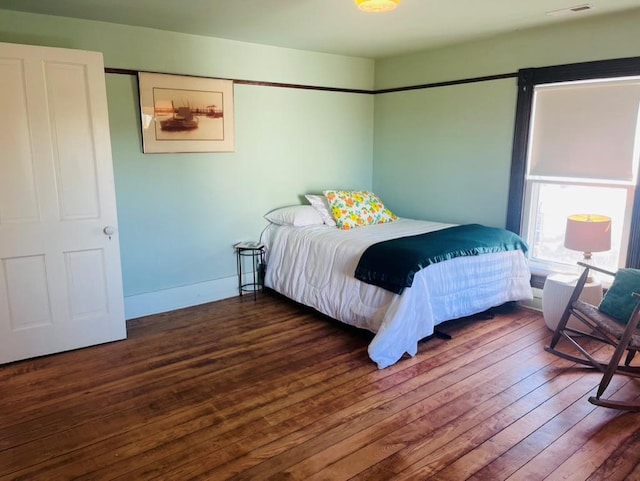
(357, 208)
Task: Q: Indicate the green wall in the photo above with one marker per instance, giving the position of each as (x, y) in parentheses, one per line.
(180, 214)
(444, 153)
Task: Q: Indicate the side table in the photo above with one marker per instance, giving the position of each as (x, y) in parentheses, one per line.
(250, 261)
(556, 293)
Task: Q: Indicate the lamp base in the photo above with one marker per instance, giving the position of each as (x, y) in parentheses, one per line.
(586, 259)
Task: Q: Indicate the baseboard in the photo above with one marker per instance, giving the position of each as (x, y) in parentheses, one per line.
(535, 303)
(178, 297)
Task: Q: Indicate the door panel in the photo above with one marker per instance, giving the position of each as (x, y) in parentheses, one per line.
(61, 282)
(74, 150)
(18, 202)
(87, 299)
(25, 280)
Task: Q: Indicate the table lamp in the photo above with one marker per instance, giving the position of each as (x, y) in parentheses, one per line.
(588, 233)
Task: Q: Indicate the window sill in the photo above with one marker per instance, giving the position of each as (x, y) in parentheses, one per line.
(540, 271)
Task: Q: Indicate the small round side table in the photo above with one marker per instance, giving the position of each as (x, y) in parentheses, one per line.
(556, 293)
(254, 253)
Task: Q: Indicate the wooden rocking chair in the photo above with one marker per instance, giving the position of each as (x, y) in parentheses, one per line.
(614, 322)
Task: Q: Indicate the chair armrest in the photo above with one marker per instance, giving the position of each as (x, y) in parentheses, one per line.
(596, 268)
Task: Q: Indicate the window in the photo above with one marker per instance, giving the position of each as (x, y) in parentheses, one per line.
(554, 175)
(582, 158)
(547, 208)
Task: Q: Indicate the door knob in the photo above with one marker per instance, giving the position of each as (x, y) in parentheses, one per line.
(108, 230)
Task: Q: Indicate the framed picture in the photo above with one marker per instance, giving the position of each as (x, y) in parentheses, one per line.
(186, 114)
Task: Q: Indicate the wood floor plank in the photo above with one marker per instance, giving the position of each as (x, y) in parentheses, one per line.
(367, 412)
(600, 446)
(166, 356)
(402, 411)
(356, 453)
(547, 438)
(622, 463)
(347, 391)
(559, 451)
(170, 399)
(270, 390)
(475, 460)
(444, 445)
(167, 381)
(482, 399)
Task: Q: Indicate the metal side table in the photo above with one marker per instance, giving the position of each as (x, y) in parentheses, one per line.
(250, 261)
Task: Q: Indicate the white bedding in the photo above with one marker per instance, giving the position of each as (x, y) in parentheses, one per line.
(315, 266)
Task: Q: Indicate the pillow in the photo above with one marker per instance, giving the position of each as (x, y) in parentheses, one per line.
(295, 215)
(321, 204)
(618, 301)
(357, 208)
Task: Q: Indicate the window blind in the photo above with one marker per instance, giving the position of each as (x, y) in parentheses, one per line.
(586, 130)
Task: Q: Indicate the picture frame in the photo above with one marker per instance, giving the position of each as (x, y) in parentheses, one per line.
(186, 114)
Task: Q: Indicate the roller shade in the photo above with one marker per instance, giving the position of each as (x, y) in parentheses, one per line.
(585, 130)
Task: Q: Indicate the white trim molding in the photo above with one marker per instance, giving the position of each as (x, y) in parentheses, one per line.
(179, 297)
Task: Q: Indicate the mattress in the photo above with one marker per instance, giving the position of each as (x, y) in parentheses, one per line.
(315, 266)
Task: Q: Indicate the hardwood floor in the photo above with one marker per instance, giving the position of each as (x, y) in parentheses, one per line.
(269, 390)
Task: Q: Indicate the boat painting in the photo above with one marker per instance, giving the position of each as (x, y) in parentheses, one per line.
(214, 112)
(182, 119)
(186, 114)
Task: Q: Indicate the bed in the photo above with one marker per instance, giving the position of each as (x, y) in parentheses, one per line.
(315, 264)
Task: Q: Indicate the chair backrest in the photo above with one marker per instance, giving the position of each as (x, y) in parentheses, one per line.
(619, 301)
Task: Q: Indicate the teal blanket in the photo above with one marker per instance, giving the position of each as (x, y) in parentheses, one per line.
(392, 264)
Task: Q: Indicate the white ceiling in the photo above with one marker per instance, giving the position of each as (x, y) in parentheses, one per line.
(332, 26)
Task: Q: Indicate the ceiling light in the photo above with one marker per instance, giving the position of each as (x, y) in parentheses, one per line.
(377, 5)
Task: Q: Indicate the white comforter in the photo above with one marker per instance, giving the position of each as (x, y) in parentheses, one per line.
(315, 266)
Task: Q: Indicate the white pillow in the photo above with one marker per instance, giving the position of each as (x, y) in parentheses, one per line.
(321, 204)
(295, 215)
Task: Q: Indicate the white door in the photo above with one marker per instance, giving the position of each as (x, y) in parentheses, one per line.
(60, 275)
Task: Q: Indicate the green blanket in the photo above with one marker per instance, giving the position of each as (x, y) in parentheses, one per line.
(392, 264)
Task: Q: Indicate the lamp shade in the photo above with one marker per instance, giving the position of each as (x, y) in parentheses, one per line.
(588, 233)
(377, 5)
